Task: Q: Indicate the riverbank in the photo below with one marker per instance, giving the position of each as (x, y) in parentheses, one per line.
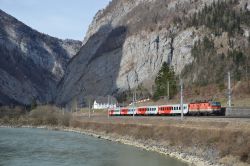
(146, 145)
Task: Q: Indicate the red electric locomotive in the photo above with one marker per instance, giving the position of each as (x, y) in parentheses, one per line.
(204, 108)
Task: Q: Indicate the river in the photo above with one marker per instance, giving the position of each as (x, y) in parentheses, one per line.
(40, 147)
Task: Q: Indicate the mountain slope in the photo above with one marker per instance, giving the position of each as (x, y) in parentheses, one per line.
(31, 63)
(128, 41)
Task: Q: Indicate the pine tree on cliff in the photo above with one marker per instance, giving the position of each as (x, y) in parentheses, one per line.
(165, 76)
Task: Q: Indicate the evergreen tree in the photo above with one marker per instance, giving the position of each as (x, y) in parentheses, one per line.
(165, 75)
(220, 17)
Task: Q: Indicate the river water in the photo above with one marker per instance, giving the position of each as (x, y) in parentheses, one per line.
(40, 147)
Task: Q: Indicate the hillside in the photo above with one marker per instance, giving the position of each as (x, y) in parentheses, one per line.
(31, 63)
(128, 42)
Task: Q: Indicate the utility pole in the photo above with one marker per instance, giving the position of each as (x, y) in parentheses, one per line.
(168, 90)
(229, 91)
(133, 104)
(134, 100)
(181, 82)
(108, 101)
(89, 108)
(135, 96)
(76, 107)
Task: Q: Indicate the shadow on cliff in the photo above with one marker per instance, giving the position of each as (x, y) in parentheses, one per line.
(99, 63)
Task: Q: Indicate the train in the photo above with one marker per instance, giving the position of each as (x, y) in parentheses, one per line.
(196, 108)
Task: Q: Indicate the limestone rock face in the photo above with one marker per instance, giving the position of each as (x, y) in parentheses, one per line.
(31, 63)
(126, 45)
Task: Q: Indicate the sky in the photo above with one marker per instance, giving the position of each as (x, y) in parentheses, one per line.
(64, 19)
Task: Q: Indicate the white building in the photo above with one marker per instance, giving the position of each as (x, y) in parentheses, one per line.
(104, 103)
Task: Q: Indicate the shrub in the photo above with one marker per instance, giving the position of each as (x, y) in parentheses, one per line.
(11, 112)
(49, 115)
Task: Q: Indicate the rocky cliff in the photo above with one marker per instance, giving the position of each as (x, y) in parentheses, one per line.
(31, 63)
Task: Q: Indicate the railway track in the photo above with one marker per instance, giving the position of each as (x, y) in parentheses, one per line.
(201, 117)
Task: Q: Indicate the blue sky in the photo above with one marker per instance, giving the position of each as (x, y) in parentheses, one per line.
(65, 19)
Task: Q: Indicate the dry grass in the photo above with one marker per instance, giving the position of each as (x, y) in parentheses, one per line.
(226, 138)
